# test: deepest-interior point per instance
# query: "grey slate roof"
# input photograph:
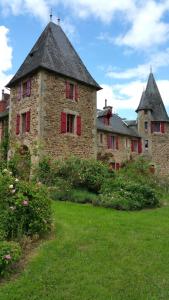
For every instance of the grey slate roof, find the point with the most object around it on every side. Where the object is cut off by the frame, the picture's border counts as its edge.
(54, 52)
(117, 125)
(151, 100)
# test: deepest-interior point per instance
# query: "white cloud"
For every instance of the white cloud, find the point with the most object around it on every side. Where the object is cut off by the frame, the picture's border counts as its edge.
(156, 61)
(5, 57)
(147, 26)
(127, 96)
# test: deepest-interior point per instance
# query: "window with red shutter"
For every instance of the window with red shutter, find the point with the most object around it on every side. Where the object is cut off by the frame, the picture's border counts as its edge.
(63, 122)
(79, 125)
(28, 121)
(110, 141)
(17, 124)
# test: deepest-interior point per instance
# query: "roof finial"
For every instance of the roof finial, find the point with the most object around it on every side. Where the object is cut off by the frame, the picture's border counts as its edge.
(150, 68)
(51, 15)
(58, 19)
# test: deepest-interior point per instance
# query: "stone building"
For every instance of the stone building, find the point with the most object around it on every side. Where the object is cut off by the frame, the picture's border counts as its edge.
(53, 100)
(53, 111)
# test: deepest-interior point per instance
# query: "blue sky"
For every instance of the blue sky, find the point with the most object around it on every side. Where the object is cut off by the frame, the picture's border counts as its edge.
(118, 40)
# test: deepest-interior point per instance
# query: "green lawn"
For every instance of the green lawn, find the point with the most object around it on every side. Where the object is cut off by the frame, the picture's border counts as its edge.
(98, 254)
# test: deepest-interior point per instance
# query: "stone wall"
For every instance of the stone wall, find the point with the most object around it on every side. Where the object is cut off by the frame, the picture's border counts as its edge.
(120, 155)
(53, 103)
(32, 103)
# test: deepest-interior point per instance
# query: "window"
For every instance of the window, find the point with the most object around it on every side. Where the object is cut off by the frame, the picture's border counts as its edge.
(146, 126)
(106, 120)
(70, 123)
(24, 89)
(24, 120)
(134, 146)
(71, 91)
(157, 127)
(146, 144)
(145, 112)
(112, 142)
(23, 116)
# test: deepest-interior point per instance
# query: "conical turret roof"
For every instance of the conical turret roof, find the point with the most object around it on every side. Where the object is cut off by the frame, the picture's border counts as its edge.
(54, 52)
(151, 100)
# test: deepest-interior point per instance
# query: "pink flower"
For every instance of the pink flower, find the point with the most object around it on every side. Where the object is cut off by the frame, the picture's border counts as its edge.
(25, 202)
(7, 257)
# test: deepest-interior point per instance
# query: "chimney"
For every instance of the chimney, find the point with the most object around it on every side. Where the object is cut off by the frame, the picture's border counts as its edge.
(3, 95)
(107, 107)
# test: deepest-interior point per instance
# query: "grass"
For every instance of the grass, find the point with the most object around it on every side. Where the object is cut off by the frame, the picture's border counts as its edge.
(98, 254)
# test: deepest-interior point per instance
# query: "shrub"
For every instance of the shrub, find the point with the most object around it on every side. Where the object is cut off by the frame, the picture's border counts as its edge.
(24, 208)
(129, 196)
(79, 173)
(10, 253)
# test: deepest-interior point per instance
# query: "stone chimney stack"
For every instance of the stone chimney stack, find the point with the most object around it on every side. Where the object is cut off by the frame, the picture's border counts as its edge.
(107, 107)
(3, 95)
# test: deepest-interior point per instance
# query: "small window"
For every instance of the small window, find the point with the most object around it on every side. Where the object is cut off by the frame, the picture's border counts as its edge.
(134, 145)
(145, 112)
(111, 142)
(146, 126)
(146, 144)
(24, 89)
(23, 116)
(155, 127)
(70, 123)
(71, 91)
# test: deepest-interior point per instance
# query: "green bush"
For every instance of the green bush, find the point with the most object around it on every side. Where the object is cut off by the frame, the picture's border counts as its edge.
(129, 196)
(24, 208)
(79, 173)
(10, 253)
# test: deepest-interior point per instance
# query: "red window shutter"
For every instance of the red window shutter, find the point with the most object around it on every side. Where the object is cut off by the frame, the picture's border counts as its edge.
(19, 91)
(78, 125)
(117, 166)
(132, 146)
(28, 88)
(17, 124)
(117, 143)
(152, 127)
(76, 92)
(28, 115)
(67, 90)
(162, 127)
(139, 146)
(63, 122)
